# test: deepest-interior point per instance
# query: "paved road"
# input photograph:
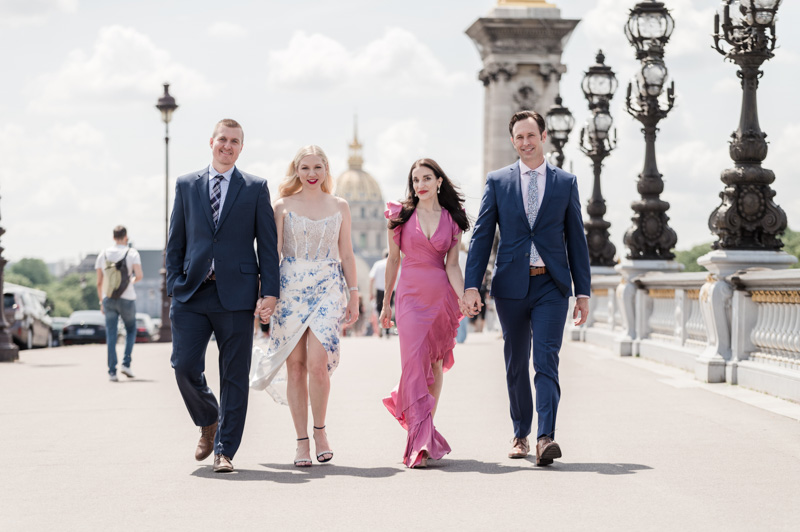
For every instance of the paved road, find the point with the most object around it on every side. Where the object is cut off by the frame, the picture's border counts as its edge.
(645, 448)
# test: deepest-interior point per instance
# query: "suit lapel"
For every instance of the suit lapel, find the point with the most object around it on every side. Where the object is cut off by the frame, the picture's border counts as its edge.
(201, 184)
(233, 190)
(549, 184)
(516, 187)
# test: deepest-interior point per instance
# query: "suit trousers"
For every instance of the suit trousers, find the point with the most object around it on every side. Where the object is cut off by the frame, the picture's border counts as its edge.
(538, 318)
(192, 325)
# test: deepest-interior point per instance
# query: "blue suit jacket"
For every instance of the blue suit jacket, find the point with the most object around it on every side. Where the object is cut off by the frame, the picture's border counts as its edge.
(557, 233)
(246, 217)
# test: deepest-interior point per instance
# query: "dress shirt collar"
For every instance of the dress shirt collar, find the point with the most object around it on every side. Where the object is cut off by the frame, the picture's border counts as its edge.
(541, 170)
(213, 173)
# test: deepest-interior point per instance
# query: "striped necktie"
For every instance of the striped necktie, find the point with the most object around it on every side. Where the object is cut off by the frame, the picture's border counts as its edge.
(216, 198)
(533, 208)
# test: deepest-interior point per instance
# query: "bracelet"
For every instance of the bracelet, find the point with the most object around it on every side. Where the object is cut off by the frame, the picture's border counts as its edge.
(353, 288)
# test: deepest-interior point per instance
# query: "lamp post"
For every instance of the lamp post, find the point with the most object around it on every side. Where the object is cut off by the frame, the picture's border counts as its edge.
(166, 104)
(599, 85)
(747, 218)
(559, 123)
(9, 352)
(648, 29)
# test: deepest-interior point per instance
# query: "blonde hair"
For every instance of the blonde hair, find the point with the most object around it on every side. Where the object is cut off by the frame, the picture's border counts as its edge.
(291, 183)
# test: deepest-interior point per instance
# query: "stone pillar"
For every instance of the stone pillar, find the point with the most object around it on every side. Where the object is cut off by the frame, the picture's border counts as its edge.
(520, 43)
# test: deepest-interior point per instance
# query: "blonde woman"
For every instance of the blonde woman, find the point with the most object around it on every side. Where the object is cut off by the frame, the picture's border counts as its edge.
(318, 269)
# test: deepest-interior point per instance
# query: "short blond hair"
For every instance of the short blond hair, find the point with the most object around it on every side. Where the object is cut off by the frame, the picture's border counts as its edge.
(291, 183)
(227, 122)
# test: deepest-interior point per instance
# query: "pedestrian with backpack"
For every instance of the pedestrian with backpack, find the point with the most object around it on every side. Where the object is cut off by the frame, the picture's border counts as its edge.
(118, 267)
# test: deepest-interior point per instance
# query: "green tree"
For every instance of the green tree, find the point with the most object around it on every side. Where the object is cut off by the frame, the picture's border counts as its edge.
(791, 241)
(11, 277)
(689, 257)
(34, 269)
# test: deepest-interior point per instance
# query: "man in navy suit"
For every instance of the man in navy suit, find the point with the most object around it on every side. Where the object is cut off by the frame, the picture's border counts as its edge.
(541, 254)
(217, 281)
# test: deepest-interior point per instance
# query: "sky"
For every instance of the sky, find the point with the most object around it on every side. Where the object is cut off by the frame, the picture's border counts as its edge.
(82, 143)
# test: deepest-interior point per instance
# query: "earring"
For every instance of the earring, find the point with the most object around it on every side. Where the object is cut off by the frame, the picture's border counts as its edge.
(439, 190)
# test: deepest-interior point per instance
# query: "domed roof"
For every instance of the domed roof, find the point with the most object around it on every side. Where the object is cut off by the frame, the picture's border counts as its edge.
(355, 184)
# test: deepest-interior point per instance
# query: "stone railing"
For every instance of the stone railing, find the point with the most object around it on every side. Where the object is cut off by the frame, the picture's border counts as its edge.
(742, 329)
(765, 330)
(605, 318)
(669, 319)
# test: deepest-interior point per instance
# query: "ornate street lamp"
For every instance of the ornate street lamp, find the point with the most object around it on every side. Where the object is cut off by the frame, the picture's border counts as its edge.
(8, 351)
(648, 30)
(166, 104)
(559, 122)
(747, 217)
(599, 85)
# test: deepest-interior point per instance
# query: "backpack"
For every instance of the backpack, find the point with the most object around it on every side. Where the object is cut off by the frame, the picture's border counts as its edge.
(116, 277)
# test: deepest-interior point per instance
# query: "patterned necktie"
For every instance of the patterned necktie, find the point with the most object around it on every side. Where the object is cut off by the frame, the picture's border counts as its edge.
(216, 198)
(533, 208)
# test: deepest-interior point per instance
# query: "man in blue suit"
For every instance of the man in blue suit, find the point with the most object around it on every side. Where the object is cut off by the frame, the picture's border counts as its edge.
(541, 254)
(217, 280)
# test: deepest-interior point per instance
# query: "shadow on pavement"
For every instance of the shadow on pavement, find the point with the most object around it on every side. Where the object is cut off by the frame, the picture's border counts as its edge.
(289, 474)
(599, 468)
(490, 468)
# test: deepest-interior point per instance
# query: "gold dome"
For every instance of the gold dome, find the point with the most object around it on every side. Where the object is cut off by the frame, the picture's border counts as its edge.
(355, 184)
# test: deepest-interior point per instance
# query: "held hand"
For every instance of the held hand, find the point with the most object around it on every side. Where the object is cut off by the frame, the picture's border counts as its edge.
(265, 308)
(351, 314)
(472, 301)
(464, 309)
(582, 309)
(386, 318)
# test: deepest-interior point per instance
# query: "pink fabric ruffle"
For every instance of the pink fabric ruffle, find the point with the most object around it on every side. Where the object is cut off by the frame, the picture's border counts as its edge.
(393, 211)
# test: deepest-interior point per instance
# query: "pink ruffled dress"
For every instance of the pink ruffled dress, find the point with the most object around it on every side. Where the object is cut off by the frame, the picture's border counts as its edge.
(427, 317)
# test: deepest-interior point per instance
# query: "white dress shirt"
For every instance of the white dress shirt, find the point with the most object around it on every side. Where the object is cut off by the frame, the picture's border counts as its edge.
(525, 181)
(223, 185)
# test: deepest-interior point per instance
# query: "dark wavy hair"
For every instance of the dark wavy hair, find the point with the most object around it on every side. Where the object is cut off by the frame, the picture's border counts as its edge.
(450, 197)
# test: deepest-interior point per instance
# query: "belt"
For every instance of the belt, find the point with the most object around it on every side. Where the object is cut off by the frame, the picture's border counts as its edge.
(538, 271)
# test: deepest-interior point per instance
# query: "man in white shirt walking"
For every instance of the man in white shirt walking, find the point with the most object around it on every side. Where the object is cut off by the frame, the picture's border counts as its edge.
(377, 287)
(118, 298)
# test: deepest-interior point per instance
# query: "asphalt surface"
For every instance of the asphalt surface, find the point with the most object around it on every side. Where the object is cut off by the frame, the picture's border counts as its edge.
(645, 448)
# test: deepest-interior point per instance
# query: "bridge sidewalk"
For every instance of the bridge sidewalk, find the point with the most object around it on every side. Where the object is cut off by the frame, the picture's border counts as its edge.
(645, 448)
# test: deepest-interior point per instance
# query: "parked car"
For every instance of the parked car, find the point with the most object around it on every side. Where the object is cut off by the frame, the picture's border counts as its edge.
(146, 330)
(85, 327)
(58, 329)
(27, 316)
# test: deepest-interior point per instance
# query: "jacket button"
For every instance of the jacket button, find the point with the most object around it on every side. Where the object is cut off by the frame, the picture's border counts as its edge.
(527, 254)
(209, 260)
(215, 240)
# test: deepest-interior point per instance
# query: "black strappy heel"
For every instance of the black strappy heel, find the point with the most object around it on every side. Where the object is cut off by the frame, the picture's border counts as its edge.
(303, 462)
(323, 453)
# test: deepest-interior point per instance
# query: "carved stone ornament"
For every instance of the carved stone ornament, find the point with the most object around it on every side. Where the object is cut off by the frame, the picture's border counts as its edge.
(525, 97)
(497, 71)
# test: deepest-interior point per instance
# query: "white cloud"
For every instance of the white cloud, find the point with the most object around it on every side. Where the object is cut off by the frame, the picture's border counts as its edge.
(394, 149)
(224, 29)
(122, 67)
(23, 12)
(398, 63)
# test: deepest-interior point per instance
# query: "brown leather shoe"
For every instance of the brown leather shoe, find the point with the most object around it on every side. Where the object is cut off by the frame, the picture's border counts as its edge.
(206, 443)
(222, 464)
(546, 451)
(520, 448)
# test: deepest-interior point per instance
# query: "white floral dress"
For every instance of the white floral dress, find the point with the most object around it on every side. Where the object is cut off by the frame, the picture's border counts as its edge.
(312, 296)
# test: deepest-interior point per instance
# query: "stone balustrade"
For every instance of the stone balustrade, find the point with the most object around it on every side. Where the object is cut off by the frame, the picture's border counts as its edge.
(743, 329)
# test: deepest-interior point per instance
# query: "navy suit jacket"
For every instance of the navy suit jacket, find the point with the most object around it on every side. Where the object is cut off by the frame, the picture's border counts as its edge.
(557, 233)
(193, 241)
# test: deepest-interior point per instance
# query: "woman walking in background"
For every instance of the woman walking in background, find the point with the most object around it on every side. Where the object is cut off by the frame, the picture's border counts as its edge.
(427, 229)
(317, 258)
